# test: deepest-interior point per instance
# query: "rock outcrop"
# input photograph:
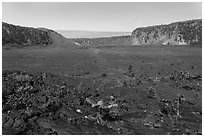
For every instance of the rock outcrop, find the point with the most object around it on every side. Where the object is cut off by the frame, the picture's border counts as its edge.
(19, 36)
(178, 33)
(24, 36)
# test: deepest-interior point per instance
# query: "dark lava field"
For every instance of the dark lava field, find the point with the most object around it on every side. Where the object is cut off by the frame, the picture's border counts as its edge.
(102, 91)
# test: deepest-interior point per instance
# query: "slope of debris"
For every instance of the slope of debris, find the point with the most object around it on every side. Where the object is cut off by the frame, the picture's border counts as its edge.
(43, 103)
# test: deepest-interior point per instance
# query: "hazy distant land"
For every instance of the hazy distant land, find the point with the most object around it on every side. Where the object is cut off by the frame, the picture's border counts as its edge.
(90, 34)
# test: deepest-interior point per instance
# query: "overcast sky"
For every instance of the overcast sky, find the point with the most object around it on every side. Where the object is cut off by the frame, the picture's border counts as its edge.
(98, 16)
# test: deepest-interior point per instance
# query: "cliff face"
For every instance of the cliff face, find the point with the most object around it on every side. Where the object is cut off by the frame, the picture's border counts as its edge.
(24, 36)
(13, 35)
(178, 33)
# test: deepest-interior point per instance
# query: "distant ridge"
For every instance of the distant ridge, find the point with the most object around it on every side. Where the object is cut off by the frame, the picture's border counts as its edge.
(90, 34)
(178, 33)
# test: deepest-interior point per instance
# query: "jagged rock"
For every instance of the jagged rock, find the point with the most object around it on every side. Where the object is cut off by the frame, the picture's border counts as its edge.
(178, 33)
(55, 110)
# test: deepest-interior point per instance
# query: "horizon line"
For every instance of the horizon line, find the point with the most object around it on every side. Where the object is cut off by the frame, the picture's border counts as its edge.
(102, 30)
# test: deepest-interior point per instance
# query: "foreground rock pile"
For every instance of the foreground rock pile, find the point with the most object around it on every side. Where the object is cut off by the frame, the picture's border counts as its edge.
(44, 103)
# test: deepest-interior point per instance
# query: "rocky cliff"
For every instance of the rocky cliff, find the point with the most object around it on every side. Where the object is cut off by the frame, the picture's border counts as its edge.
(178, 33)
(24, 36)
(19, 36)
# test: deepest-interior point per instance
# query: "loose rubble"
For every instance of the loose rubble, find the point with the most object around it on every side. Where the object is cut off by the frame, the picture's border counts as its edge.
(44, 103)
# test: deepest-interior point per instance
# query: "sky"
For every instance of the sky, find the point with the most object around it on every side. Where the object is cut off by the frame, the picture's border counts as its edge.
(107, 16)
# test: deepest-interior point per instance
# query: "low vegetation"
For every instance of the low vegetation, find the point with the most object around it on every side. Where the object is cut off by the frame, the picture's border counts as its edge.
(24, 36)
(178, 33)
(80, 92)
(115, 89)
(106, 41)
